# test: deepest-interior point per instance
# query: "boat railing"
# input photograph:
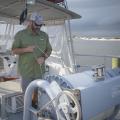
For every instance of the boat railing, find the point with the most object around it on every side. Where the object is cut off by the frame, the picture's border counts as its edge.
(93, 56)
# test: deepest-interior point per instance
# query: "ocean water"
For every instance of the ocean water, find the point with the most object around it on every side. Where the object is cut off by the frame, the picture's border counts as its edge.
(95, 52)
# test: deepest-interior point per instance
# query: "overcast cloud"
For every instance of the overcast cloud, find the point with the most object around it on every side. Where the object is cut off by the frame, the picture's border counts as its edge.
(99, 17)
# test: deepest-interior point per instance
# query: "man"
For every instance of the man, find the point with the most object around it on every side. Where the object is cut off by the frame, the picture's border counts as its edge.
(33, 47)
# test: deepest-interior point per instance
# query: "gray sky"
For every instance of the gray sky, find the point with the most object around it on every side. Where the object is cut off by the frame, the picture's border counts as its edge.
(99, 17)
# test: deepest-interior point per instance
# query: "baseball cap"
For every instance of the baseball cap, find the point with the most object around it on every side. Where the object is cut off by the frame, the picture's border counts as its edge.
(38, 19)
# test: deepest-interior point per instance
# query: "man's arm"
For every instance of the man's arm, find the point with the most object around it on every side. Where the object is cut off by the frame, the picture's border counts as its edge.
(17, 46)
(23, 50)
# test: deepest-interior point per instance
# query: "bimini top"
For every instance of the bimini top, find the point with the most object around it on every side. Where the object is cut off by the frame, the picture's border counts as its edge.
(51, 12)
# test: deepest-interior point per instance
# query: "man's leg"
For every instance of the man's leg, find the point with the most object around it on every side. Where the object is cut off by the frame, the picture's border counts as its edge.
(24, 83)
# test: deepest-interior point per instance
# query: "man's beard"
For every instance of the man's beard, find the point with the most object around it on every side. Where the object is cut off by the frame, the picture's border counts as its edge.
(35, 30)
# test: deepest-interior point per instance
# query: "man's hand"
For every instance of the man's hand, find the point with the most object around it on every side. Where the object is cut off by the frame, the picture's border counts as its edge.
(29, 48)
(40, 60)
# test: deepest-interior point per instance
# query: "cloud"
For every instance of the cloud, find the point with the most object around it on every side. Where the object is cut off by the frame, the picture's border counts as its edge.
(92, 3)
(99, 17)
(94, 30)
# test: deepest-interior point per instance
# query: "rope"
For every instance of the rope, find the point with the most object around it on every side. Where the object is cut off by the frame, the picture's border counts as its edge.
(41, 72)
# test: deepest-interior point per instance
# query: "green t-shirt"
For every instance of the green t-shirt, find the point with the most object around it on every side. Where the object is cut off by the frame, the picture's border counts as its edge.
(27, 64)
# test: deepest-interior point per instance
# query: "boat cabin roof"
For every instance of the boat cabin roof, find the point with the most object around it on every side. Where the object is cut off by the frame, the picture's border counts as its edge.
(50, 11)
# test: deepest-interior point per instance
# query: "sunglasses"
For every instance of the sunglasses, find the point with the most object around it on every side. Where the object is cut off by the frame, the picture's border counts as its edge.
(38, 25)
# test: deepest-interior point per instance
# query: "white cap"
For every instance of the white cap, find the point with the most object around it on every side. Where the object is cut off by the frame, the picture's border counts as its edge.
(37, 18)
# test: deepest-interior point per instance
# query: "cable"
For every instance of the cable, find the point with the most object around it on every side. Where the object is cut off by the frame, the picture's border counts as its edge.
(23, 15)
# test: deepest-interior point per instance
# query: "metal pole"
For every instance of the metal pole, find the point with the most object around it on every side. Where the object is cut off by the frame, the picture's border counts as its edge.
(28, 96)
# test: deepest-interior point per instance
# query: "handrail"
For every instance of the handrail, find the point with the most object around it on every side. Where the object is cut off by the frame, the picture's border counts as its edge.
(93, 55)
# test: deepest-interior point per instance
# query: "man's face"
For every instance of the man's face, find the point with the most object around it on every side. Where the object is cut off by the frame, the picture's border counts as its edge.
(35, 27)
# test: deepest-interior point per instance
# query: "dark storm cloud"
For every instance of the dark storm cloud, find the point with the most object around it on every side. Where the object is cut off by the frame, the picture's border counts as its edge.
(99, 17)
(92, 3)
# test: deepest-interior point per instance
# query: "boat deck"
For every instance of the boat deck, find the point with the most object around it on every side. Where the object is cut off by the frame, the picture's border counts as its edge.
(11, 88)
(15, 116)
